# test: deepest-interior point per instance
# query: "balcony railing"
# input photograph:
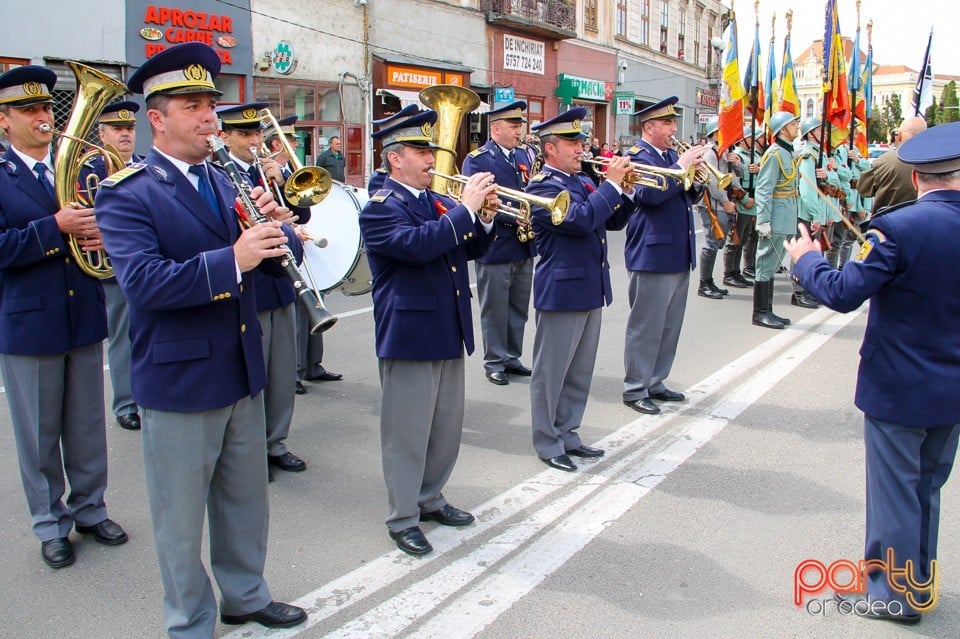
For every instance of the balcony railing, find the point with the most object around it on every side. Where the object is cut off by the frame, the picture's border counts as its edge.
(547, 18)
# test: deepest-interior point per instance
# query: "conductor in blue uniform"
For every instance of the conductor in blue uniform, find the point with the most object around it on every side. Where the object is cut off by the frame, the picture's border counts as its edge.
(571, 286)
(505, 273)
(418, 243)
(186, 266)
(52, 326)
(909, 361)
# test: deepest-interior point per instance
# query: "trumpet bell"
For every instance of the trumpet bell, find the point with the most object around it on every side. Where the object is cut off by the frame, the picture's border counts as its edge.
(307, 186)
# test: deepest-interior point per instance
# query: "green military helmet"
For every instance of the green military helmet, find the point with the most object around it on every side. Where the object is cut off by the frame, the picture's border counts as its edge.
(809, 125)
(712, 125)
(779, 120)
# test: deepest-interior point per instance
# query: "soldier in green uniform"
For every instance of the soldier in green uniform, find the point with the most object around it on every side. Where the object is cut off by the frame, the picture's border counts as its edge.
(812, 211)
(776, 196)
(745, 219)
(841, 240)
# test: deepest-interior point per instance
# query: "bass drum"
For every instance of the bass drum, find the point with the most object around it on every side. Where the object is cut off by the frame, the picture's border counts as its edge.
(341, 263)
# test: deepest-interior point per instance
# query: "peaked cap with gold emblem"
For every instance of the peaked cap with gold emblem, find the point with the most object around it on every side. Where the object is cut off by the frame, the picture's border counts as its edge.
(120, 113)
(26, 85)
(415, 128)
(513, 112)
(190, 67)
(565, 125)
(242, 116)
(661, 110)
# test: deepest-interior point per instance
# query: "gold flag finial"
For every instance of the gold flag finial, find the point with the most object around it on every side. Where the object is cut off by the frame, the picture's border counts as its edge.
(789, 20)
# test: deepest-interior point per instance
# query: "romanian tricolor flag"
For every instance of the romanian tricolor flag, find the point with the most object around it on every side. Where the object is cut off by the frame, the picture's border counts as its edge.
(864, 104)
(731, 92)
(787, 92)
(751, 79)
(836, 95)
(771, 81)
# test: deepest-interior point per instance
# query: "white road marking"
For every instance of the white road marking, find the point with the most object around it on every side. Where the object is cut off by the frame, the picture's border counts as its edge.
(351, 588)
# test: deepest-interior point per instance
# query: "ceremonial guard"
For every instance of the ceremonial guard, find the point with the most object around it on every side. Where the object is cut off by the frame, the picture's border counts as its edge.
(715, 214)
(841, 239)
(812, 208)
(660, 253)
(745, 221)
(117, 127)
(505, 273)
(52, 325)
(571, 285)
(241, 131)
(909, 370)
(776, 195)
(418, 243)
(185, 267)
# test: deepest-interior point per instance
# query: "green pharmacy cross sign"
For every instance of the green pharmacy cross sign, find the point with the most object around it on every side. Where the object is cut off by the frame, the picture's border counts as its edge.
(566, 90)
(284, 57)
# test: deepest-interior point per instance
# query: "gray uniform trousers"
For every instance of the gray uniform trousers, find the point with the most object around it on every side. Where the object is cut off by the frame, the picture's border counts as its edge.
(504, 292)
(657, 305)
(797, 289)
(279, 341)
(213, 461)
(118, 348)
(564, 354)
(421, 420)
(711, 245)
(906, 468)
(841, 245)
(56, 403)
(309, 347)
(770, 255)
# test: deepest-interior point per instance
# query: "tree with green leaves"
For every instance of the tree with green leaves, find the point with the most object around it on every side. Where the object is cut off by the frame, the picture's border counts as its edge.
(932, 114)
(949, 104)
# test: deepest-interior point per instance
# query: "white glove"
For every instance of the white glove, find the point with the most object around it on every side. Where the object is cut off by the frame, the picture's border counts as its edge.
(764, 229)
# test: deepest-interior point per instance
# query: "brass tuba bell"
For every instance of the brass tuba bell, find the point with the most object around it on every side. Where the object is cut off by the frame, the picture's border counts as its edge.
(451, 103)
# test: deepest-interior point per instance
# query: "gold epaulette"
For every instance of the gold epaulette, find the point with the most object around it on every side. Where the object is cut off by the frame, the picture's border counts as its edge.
(540, 177)
(381, 195)
(478, 151)
(123, 174)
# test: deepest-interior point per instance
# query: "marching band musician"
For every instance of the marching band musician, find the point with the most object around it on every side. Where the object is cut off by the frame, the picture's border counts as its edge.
(745, 219)
(660, 252)
(309, 347)
(381, 173)
(812, 209)
(723, 209)
(505, 273)
(117, 127)
(418, 243)
(571, 286)
(52, 325)
(276, 298)
(185, 265)
(776, 194)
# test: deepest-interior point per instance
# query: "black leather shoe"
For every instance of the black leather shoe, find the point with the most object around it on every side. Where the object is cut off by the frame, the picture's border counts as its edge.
(448, 516)
(560, 462)
(57, 553)
(803, 301)
(107, 532)
(730, 280)
(643, 405)
(667, 395)
(299, 389)
(288, 462)
(411, 541)
(586, 451)
(749, 273)
(130, 421)
(717, 289)
(518, 369)
(871, 609)
(740, 278)
(325, 376)
(705, 291)
(275, 615)
(498, 378)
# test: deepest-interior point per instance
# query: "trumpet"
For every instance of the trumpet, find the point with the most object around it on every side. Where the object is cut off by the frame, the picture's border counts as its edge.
(651, 176)
(557, 206)
(320, 318)
(308, 185)
(723, 179)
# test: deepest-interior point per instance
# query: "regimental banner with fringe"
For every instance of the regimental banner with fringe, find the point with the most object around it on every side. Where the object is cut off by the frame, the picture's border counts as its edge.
(731, 92)
(836, 93)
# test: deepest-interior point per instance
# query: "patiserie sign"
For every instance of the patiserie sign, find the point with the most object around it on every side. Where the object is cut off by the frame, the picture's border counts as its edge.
(166, 26)
(521, 54)
(420, 78)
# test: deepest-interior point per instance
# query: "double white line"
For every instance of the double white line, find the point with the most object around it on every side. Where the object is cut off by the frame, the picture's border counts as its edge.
(639, 456)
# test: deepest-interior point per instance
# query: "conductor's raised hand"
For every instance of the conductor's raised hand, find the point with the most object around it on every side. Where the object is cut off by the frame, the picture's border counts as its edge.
(257, 243)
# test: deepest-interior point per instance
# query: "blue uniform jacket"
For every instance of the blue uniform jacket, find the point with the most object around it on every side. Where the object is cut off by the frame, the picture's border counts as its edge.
(47, 304)
(377, 178)
(193, 326)
(910, 358)
(277, 292)
(421, 288)
(506, 246)
(661, 238)
(573, 272)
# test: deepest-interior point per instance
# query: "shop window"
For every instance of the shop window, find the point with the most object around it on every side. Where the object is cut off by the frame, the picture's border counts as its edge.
(622, 18)
(232, 87)
(354, 146)
(590, 15)
(300, 99)
(270, 93)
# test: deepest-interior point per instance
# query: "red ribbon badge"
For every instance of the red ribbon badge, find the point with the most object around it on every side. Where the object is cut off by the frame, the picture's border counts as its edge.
(441, 209)
(524, 171)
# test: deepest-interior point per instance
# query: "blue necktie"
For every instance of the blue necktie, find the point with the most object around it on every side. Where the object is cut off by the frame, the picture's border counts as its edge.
(41, 170)
(425, 201)
(206, 189)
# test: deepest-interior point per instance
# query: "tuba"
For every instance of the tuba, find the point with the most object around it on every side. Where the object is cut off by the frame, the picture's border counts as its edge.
(95, 91)
(451, 103)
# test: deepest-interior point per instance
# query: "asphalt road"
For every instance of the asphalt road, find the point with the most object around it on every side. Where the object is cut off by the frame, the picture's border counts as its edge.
(692, 525)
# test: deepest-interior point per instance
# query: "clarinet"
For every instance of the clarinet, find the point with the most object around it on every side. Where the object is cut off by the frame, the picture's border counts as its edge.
(319, 317)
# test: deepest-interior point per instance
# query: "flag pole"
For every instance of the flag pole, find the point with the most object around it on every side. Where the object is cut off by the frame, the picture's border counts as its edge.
(753, 100)
(856, 83)
(824, 129)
